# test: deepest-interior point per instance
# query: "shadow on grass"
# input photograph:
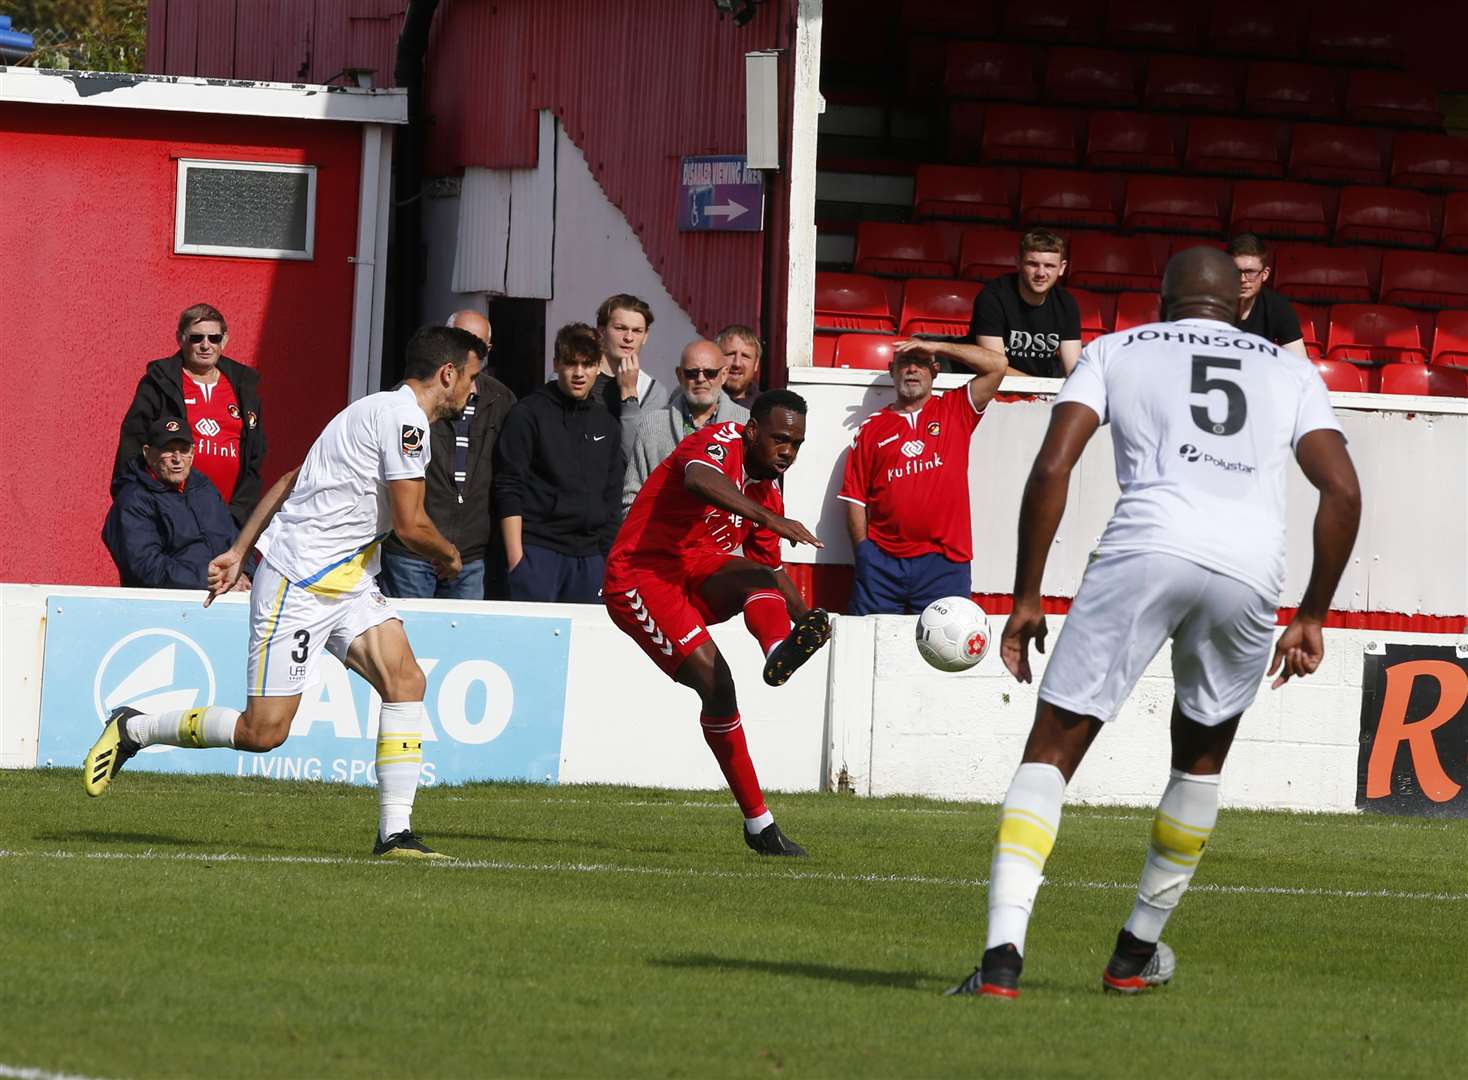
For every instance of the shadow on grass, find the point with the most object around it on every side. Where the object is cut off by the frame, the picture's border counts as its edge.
(578, 842)
(925, 981)
(102, 836)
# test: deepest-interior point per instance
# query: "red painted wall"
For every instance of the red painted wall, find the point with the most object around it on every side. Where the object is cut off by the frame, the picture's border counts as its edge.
(90, 291)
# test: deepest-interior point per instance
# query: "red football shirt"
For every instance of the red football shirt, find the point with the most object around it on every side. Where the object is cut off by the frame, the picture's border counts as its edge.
(214, 414)
(670, 530)
(910, 471)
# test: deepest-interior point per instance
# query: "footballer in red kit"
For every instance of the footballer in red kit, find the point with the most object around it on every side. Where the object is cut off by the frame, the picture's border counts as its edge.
(700, 544)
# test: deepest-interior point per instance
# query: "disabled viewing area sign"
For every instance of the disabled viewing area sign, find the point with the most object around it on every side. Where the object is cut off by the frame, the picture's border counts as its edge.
(720, 193)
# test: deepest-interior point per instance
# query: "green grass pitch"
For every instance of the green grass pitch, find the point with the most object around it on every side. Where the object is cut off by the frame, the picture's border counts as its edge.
(218, 927)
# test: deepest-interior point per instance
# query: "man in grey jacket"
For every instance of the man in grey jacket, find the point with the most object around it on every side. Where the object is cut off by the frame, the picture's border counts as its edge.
(698, 401)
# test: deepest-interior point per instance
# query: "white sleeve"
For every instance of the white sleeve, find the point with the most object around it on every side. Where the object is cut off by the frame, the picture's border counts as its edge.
(1086, 384)
(402, 443)
(1313, 411)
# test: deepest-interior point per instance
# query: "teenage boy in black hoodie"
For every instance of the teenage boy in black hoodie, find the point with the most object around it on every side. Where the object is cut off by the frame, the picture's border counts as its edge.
(558, 480)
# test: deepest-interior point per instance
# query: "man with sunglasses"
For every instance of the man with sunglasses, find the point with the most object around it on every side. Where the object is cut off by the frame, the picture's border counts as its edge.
(216, 396)
(699, 399)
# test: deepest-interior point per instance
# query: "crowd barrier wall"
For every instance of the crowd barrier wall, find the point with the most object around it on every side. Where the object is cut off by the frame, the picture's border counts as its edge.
(557, 693)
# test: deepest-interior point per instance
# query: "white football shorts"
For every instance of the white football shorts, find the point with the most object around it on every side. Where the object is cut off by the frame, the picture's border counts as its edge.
(1128, 604)
(289, 626)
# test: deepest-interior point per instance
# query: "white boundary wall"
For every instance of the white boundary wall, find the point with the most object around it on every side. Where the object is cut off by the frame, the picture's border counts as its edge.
(866, 714)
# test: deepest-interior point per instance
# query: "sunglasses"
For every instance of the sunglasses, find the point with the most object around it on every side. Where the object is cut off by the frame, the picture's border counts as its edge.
(214, 339)
(709, 373)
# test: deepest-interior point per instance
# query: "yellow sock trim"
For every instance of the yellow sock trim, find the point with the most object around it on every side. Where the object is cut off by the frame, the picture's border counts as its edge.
(1026, 835)
(1177, 841)
(394, 748)
(191, 729)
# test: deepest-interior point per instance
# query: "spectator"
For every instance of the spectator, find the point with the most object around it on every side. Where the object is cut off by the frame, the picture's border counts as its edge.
(216, 397)
(1263, 311)
(702, 374)
(906, 485)
(558, 480)
(1029, 316)
(740, 345)
(623, 323)
(167, 520)
(458, 489)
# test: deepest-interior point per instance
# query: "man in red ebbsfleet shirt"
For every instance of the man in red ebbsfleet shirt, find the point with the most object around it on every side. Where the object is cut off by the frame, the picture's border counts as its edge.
(906, 483)
(676, 567)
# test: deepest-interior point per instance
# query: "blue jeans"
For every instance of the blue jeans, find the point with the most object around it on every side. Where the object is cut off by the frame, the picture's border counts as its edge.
(408, 576)
(544, 576)
(886, 585)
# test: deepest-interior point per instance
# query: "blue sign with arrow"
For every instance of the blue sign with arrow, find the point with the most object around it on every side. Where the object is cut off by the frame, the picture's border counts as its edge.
(720, 193)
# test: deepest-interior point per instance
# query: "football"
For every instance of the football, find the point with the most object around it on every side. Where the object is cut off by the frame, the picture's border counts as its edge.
(953, 633)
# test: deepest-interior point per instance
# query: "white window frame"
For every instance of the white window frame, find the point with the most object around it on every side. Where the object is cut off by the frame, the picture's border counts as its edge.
(181, 209)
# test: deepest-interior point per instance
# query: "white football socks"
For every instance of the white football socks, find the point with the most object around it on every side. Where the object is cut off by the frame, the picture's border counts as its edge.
(399, 761)
(196, 729)
(756, 825)
(1028, 822)
(1184, 820)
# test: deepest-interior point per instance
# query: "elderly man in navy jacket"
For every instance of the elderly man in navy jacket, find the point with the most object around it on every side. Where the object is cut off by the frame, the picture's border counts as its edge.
(167, 521)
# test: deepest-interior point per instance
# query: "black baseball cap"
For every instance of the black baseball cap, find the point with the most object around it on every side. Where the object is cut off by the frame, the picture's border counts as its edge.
(169, 429)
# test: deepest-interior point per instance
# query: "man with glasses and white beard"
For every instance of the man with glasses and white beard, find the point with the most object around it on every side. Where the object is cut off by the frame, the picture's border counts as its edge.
(216, 397)
(699, 400)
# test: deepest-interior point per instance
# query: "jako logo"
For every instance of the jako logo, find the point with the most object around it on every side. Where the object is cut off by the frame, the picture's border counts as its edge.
(154, 670)
(1189, 452)
(914, 447)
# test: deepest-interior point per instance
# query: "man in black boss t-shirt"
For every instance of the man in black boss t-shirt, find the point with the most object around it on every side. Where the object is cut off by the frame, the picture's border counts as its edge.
(1263, 311)
(1027, 316)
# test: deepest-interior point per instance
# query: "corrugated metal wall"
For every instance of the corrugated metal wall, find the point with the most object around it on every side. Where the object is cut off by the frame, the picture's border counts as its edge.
(636, 84)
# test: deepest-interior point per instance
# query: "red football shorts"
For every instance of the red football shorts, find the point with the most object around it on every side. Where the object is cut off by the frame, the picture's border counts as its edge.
(661, 609)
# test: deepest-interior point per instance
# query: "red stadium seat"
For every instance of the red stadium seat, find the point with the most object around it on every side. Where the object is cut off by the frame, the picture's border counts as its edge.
(1255, 28)
(852, 302)
(1234, 147)
(1332, 275)
(989, 71)
(1314, 328)
(1374, 334)
(1455, 222)
(823, 350)
(1279, 208)
(1137, 309)
(937, 307)
(1383, 215)
(1182, 243)
(1194, 83)
(1019, 133)
(1131, 140)
(1450, 341)
(864, 351)
(1051, 21)
(1097, 313)
(1337, 155)
(1173, 204)
(1090, 77)
(1299, 91)
(1341, 376)
(988, 253)
(1394, 98)
(965, 128)
(900, 250)
(1151, 24)
(1424, 279)
(1430, 162)
(960, 191)
(1058, 197)
(1112, 263)
(1351, 34)
(1424, 381)
(967, 20)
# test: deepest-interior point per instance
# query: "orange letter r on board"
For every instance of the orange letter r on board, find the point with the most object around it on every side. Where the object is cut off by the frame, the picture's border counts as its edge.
(1392, 728)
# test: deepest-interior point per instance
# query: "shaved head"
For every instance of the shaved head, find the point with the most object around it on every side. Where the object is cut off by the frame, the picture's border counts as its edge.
(473, 322)
(1201, 283)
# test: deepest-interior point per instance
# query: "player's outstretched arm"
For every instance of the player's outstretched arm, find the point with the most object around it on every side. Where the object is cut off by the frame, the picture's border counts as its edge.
(225, 568)
(1326, 464)
(1043, 505)
(416, 529)
(709, 483)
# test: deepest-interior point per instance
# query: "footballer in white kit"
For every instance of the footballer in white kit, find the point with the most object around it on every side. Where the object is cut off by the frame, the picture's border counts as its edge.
(1205, 420)
(318, 532)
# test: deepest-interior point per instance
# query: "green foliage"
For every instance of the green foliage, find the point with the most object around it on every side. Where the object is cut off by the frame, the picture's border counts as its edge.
(83, 35)
(211, 926)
